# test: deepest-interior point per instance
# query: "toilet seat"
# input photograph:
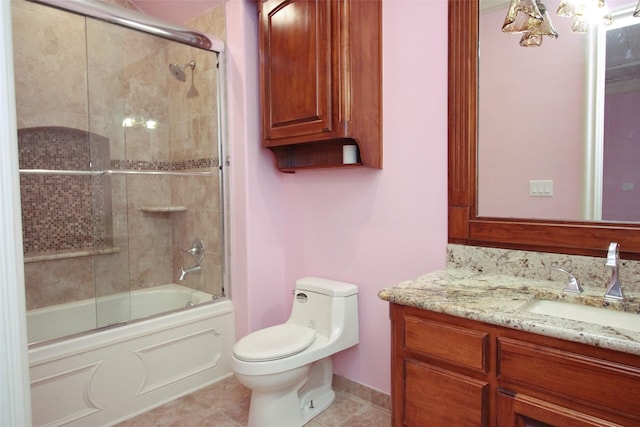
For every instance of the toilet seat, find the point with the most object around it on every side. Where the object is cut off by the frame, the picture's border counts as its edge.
(275, 342)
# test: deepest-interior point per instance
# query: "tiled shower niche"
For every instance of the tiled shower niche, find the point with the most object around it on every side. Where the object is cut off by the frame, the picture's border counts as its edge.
(64, 206)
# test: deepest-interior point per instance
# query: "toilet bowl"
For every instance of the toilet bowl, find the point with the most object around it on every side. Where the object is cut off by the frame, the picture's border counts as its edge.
(288, 367)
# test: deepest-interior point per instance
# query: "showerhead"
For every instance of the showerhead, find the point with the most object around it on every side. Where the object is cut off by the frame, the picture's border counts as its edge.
(178, 71)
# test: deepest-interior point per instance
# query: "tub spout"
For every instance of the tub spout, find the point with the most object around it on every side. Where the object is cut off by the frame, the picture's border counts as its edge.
(185, 271)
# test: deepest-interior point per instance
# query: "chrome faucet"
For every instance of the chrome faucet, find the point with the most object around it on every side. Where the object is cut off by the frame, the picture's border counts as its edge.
(614, 289)
(185, 271)
(197, 251)
(572, 286)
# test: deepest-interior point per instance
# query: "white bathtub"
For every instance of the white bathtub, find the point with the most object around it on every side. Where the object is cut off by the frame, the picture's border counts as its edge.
(67, 319)
(109, 375)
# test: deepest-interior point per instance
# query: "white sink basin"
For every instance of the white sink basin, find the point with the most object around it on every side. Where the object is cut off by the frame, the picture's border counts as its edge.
(584, 313)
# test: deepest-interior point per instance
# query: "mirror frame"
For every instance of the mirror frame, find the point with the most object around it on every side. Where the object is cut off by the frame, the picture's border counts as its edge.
(465, 227)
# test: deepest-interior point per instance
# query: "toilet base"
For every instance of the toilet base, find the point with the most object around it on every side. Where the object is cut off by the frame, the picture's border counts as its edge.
(297, 405)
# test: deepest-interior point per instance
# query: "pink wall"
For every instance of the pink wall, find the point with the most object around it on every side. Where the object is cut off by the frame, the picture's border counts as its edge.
(370, 227)
(531, 120)
(378, 227)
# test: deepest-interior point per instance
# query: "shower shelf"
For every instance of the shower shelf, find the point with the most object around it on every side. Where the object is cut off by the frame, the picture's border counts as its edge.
(163, 209)
(70, 253)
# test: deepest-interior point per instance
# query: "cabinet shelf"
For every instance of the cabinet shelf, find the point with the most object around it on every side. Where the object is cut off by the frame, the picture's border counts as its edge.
(315, 155)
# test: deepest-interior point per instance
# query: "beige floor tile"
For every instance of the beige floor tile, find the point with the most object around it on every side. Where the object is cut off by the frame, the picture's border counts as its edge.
(226, 404)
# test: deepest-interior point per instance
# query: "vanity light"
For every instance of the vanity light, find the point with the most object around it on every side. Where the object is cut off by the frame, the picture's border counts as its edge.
(521, 16)
(585, 13)
(534, 36)
(530, 18)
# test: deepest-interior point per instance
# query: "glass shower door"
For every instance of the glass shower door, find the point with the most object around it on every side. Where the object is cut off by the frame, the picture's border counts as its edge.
(120, 173)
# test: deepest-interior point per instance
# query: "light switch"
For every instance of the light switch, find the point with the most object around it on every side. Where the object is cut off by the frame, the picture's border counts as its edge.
(627, 186)
(541, 187)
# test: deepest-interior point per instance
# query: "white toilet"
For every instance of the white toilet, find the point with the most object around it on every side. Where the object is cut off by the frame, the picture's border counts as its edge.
(288, 367)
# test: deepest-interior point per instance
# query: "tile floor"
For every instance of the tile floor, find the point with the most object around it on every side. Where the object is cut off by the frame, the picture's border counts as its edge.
(226, 404)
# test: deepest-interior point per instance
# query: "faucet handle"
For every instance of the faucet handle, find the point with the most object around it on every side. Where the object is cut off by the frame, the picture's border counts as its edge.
(613, 255)
(196, 250)
(572, 286)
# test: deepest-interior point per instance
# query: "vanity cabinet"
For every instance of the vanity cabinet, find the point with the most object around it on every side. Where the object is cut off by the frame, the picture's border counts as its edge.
(321, 81)
(450, 371)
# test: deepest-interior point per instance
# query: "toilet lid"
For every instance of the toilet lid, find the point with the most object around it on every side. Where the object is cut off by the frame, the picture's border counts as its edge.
(276, 342)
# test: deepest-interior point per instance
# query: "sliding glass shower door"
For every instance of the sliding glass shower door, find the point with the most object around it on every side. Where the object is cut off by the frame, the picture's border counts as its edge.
(120, 171)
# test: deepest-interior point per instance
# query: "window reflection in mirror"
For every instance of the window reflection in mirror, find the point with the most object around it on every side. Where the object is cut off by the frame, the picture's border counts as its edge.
(621, 132)
(537, 126)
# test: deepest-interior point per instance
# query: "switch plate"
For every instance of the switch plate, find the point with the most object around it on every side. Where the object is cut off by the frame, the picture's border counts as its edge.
(541, 188)
(627, 186)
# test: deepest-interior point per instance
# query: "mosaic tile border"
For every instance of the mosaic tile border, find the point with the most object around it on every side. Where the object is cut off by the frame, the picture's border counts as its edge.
(168, 166)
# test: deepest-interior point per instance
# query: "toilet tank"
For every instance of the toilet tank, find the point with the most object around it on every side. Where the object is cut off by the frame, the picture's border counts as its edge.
(329, 306)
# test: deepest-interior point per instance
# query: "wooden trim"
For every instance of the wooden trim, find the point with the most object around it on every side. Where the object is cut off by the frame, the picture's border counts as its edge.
(465, 227)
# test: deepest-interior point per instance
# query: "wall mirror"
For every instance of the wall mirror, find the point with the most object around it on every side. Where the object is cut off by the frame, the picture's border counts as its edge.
(576, 230)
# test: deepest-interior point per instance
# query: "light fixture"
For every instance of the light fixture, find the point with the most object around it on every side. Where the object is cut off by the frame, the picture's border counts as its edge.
(530, 18)
(534, 36)
(139, 122)
(585, 13)
(521, 16)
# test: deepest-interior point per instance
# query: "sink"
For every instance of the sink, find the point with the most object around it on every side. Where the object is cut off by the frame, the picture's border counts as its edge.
(584, 313)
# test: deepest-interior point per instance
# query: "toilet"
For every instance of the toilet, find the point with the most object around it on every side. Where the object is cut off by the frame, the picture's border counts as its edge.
(288, 367)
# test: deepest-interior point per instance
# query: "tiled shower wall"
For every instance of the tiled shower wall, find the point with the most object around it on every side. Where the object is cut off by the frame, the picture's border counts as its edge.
(131, 80)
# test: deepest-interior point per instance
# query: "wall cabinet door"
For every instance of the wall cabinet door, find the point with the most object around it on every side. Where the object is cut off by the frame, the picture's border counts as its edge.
(321, 81)
(296, 48)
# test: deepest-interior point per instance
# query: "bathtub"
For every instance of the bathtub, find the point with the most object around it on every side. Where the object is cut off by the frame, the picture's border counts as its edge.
(111, 374)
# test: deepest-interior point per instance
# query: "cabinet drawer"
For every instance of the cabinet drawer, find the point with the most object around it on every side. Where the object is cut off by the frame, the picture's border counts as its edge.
(460, 346)
(611, 385)
(438, 397)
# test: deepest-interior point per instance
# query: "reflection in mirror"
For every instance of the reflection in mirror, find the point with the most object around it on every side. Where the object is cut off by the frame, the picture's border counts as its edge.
(548, 149)
(621, 133)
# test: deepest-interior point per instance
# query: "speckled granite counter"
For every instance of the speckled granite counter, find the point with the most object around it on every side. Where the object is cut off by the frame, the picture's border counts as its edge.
(496, 299)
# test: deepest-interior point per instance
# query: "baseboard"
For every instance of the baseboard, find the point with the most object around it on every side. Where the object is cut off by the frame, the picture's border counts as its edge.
(362, 391)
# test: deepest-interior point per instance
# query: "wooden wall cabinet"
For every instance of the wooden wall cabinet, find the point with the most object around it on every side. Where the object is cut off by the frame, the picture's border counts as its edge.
(321, 81)
(449, 371)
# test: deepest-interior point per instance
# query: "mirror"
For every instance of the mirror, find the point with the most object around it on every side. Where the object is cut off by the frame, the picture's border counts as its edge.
(547, 146)
(569, 236)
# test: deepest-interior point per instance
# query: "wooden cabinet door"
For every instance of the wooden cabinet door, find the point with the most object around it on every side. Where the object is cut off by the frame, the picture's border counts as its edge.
(435, 397)
(517, 410)
(295, 69)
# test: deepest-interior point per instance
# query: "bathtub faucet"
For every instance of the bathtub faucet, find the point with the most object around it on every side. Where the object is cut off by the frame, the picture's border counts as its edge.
(185, 271)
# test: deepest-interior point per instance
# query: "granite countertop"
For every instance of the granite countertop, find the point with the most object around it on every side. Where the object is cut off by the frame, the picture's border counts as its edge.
(496, 299)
